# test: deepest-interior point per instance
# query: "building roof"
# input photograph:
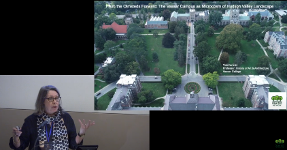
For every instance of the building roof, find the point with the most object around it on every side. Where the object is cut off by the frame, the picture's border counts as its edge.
(156, 18)
(281, 12)
(174, 14)
(225, 18)
(120, 29)
(263, 13)
(144, 108)
(115, 102)
(182, 15)
(258, 79)
(127, 80)
(244, 18)
(156, 22)
(108, 61)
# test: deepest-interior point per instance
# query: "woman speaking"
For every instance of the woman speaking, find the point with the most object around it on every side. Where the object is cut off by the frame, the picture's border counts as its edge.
(49, 124)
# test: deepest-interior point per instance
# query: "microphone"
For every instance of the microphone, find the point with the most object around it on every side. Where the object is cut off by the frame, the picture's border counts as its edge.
(44, 123)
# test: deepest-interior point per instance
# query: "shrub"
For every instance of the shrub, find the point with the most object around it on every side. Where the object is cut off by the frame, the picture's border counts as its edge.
(111, 94)
(149, 30)
(121, 46)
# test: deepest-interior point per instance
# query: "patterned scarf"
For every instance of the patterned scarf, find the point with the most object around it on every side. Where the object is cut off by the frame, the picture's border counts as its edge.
(59, 134)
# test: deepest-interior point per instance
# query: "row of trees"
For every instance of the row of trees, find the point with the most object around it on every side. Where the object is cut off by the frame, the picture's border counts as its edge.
(102, 35)
(180, 49)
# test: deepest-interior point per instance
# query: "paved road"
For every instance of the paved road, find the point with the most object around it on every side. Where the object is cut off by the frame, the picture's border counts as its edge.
(191, 43)
(106, 89)
(150, 78)
(232, 78)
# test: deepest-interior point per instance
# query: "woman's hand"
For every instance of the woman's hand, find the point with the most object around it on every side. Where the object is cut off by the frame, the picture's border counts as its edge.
(16, 132)
(85, 126)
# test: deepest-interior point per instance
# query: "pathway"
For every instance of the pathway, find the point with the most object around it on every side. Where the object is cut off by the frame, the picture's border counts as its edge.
(106, 89)
(100, 80)
(137, 104)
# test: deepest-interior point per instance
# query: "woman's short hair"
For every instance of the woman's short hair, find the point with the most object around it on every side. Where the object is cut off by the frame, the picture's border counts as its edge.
(40, 107)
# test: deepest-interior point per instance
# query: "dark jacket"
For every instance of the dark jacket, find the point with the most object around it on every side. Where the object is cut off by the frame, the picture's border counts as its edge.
(30, 132)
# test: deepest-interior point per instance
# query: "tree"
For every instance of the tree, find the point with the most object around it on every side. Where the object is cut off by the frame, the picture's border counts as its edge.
(210, 31)
(271, 22)
(121, 60)
(210, 64)
(282, 67)
(171, 79)
(215, 17)
(142, 100)
(200, 28)
(143, 63)
(171, 26)
(230, 38)
(199, 22)
(95, 103)
(156, 71)
(133, 28)
(135, 47)
(176, 32)
(155, 56)
(200, 37)
(240, 57)
(111, 73)
(111, 94)
(224, 58)
(211, 79)
(201, 50)
(258, 18)
(108, 34)
(166, 14)
(284, 19)
(99, 41)
(179, 46)
(100, 58)
(263, 61)
(113, 16)
(240, 103)
(181, 11)
(168, 40)
(132, 68)
(155, 33)
(109, 48)
(263, 23)
(183, 25)
(254, 32)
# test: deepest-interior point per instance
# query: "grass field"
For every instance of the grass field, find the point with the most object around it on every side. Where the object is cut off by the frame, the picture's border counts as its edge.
(96, 67)
(263, 43)
(157, 88)
(104, 101)
(211, 42)
(274, 62)
(273, 88)
(99, 85)
(165, 55)
(231, 92)
(157, 103)
(160, 31)
(282, 77)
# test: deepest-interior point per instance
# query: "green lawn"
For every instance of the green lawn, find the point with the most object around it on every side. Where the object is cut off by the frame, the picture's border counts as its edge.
(273, 88)
(99, 85)
(263, 43)
(157, 103)
(118, 42)
(273, 76)
(211, 42)
(274, 62)
(165, 55)
(160, 31)
(96, 67)
(157, 88)
(282, 77)
(104, 101)
(231, 92)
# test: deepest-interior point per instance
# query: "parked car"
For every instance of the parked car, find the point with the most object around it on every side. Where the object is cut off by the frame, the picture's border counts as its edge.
(155, 77)
(99, 94)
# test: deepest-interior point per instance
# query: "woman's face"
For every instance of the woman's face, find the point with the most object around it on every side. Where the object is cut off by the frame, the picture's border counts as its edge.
(51, 103)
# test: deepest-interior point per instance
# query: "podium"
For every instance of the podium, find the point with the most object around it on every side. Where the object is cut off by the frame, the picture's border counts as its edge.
(48, 146)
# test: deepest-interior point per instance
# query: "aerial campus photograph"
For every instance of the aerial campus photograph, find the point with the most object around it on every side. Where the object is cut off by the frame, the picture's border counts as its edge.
(190, 55)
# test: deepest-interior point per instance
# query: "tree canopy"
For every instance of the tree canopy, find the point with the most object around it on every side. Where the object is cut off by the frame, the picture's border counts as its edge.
(201, 50)
(282, 67)
(171, 26)
(263, 61)
(211, 79)
(210, 64)
(168, 40)
(111, 73)
(224, 58)
(171, 79)
(132, 68)
(215, 17)
(230, 38)
(254, 32)
(240, 57)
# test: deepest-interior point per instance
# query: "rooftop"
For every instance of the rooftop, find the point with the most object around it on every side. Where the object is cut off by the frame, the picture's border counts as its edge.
(281, 12)
(156, 19)
(118, 28)
(127, 80)
(258, 79)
